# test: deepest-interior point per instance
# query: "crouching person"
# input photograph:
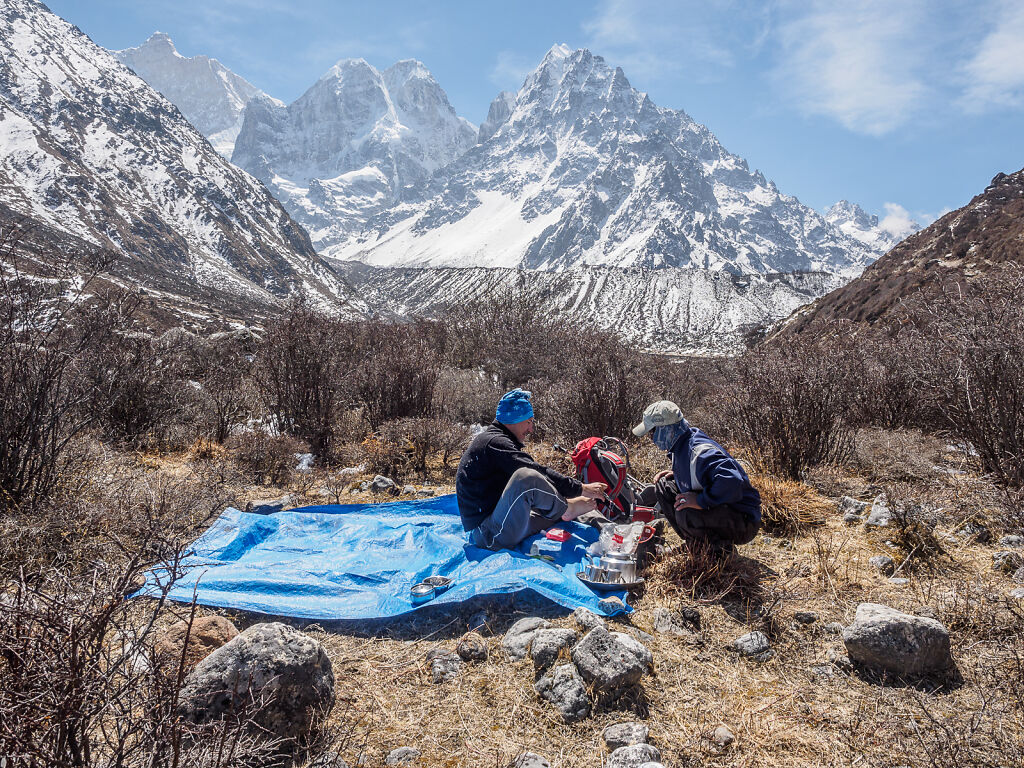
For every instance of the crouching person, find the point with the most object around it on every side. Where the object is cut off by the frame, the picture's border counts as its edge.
(504, 495)
(706, 496)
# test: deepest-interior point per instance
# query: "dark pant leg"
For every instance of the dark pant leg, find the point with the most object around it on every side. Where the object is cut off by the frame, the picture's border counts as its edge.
(719, 525)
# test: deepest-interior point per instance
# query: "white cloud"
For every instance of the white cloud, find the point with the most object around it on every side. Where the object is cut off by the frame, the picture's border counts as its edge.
(898, 221)
(510, 70)
(995, 74)
(859, 63)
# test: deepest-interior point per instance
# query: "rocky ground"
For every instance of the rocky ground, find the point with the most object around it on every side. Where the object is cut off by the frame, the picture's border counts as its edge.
(861, 633)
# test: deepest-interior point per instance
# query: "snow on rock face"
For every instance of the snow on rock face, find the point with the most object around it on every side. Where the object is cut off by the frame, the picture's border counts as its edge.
(342, 152)
(579, 168)
(210, 95)
(88, 148)
(855, 222)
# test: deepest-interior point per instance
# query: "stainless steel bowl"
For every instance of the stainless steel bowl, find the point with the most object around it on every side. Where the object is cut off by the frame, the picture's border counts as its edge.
(439, 583)
(421, 593)
(596, 574)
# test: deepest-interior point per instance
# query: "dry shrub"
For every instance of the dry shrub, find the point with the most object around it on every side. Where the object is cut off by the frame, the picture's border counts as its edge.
(385, 456)
(793, 404)
(897, 455)
(699, 571)
(914, 517)
(266, 459)
(788, 507)
(466, 396)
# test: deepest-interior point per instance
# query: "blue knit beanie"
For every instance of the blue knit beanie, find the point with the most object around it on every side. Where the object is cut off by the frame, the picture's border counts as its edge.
(514, 407)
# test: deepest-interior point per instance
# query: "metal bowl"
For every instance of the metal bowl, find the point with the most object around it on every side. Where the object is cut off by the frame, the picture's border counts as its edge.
(421, 593)
(439, 583)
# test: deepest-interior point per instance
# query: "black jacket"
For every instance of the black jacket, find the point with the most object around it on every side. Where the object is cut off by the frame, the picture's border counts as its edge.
(485, 469)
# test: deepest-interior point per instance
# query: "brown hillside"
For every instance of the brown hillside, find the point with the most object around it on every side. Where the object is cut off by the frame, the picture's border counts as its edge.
(966, 244)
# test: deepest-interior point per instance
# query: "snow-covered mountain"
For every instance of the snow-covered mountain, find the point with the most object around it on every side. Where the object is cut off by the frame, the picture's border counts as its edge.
(89, 149)
(664, 310)
(209, 94)
(583, 169)
(343, 151)
(857, 223)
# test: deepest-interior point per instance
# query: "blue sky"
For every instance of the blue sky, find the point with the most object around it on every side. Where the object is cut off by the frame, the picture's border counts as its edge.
(903, 106)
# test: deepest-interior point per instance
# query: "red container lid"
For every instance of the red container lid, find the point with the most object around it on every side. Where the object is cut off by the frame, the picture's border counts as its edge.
(557, 534)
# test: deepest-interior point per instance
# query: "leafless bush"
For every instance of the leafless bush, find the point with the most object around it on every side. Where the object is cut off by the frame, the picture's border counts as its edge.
(793, 404)
(304, 369)
(219, 372)
(266, 458)
(604, 388)
(423, 438)
(466, 396)
(386, 455)
(973, 366)
(51, 313)
(914, 517)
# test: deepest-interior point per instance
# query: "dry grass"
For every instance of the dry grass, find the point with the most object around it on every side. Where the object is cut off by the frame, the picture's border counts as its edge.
(799, 708)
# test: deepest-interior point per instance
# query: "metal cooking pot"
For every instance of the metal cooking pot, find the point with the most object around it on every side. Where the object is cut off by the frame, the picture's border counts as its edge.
(620, 567)
(596, 573)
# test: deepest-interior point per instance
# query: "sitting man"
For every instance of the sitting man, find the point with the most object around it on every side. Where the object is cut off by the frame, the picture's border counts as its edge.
(706, 496)
(503, 494)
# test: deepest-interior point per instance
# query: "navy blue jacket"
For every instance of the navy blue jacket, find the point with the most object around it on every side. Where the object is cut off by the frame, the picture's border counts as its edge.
(485, 468)
(723, 480)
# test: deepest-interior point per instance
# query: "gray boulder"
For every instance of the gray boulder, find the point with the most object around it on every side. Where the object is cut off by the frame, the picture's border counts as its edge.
(564, 689)
(548, 644)
(880, 514)
(586, 619)
(852, 518)
(884, 639)
(606, 663)
(883, 564)
(1017, 542)
(1018, 576)
(624, 735)
(723, 737)
(849, 505)
(529, 760)
(634, 756)
(639, 650)
(381, 484)
(402, 756)
(286, 672)
(519, 636)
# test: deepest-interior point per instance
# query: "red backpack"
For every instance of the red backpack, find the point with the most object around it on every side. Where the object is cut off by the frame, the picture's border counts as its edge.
(595, 462)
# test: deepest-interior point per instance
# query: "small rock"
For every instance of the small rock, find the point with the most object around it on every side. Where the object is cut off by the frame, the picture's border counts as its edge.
(880, 514)
(883, 638)
(402, 756)
(639, 650)
(751, 644)
(834, 628)
(851, 506)
(207, 634)
(364, 486)
(351, 473)
(852, 518)
(899, 581)
(472, 647)
(409, 490)
(1007, 561)
(1014, 541)
(529, 760)
(381, 484)
(304, 462)
(642, 636)
(823, 670)
(723, 737)
(691, 616)
(665, 623)
(883, 564)
(624, 735)
(927, 611)
(608, 665)
(564, 689)
(426, 492)
(805, 617)
(976, 531)
(445, 666)
(548, 645)
(611, 605)
(634, 756)
(1017, 594)
(586, 619)
(268, 506)
(519, 636)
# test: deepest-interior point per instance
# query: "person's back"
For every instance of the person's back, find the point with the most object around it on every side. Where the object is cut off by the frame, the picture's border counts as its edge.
(479, 479)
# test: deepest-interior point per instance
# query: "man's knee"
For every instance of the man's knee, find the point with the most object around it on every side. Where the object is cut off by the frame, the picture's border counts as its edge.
(526, 476)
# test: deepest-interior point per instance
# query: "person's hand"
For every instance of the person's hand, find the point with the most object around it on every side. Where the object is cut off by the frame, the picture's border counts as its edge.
(594, 490)
(687, 500)
(578, 506)
(663, 473)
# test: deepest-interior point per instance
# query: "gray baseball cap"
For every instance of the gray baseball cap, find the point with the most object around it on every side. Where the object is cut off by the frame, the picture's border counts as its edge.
(659, 414)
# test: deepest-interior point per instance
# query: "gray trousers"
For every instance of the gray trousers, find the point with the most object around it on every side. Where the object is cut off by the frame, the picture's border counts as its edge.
(528, 505)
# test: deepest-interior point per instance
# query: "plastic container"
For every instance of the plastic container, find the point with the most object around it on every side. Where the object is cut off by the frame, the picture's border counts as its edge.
(557, 534)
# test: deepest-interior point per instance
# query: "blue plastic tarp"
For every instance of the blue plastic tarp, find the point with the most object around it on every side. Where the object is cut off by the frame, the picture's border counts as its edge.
(358, 561)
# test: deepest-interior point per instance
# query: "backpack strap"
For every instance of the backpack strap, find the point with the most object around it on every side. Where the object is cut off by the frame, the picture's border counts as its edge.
(698, 450)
